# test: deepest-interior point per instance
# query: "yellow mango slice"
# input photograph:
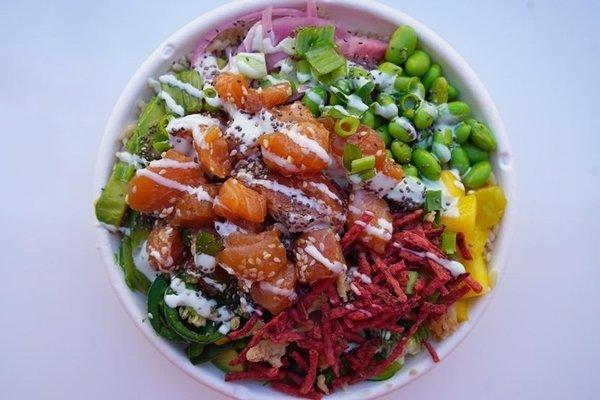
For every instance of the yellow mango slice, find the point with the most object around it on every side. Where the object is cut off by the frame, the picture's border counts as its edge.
(467, 210)
(491, 203)
(451, 181)
(477, 267)
(462, 310)
(476, 239)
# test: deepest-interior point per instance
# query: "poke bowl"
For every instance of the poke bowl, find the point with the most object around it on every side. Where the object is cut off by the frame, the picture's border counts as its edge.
(309, 199)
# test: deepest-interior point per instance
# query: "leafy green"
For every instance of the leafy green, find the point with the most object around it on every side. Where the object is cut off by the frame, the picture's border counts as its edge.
(207, 243)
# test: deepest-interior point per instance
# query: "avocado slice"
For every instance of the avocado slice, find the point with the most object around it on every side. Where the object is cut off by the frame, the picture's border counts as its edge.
(224, 358)
(111, 206)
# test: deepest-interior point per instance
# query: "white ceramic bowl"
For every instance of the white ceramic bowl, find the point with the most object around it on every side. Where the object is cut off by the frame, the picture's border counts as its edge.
(365, 15)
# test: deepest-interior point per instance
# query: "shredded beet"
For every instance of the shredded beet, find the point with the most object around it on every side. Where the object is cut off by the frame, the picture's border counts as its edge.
(461, 243)
(431, 350)
(343, 339)
(354, 232)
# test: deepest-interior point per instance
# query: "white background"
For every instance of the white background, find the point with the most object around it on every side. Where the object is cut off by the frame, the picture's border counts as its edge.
(63, 333)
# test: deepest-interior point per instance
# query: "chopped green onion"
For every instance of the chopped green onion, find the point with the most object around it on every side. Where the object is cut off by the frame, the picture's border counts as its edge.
(362, 164)
(346, 126)
(207, 243)
(412, 279)
(310, 37)
(303, 72)
(365, 90)
(449, 242)
(252, 65)
(351, 152)
(433, 200)
(368, 174)
(324, 59)
(336, 111)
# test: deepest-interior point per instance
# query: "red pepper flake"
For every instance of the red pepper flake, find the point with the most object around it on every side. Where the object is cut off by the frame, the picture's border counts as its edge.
(355, 230)
(461, 243)
(431, 351)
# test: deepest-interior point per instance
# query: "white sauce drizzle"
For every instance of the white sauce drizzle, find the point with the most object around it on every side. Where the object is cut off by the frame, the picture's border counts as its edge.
(205, 262)
(199, 192)
(388, 111)
(384, 80)
(307, 143)
(172, 80)
(135, 160)
(278, 291)
(335, 267)
(170, 163)
(226, 228)
(282, 162)
(455, 267)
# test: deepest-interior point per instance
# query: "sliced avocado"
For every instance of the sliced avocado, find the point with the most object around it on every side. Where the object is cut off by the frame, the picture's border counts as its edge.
(153, 113)
(190, 104)
(388, 372)
(111, 206)
(224, 358)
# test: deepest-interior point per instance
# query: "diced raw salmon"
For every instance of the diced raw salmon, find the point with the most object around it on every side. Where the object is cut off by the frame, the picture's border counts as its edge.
(165, 247)
(192, 212)
(276, 293)
(379, 231)
(236, 201)
(319, 256)
(366, 139)
(213, 152)
(157, 187)
(231, 88)
(299, 204)
(300, 146)
(253, 257)
(235, 89)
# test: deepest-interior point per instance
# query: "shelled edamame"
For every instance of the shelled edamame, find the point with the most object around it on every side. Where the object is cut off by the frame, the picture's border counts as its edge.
(414, 108)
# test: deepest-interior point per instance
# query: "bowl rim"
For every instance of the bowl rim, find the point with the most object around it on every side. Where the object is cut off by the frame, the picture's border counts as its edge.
(446, 55)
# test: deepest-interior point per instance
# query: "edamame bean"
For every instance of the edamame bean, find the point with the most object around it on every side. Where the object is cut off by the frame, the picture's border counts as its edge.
(443, 137)
(385, 106)
(401, 129)
(401, 45)
(459, 109)
(459, 160)
(434, 72)
(410, 170)
(427, 164)
(389, 68)
(474, 153)
(423, 119)
(462, 132)
(481, 136)
(384, 134)
(477, 175)
(441, 152)
(409, 114)
(401, 151)
(406, 83)
(417, 64)
(438, 93)
(452, 93)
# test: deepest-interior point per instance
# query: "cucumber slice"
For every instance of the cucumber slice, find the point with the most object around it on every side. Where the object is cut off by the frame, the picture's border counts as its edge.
(224, 358)
(388, 372)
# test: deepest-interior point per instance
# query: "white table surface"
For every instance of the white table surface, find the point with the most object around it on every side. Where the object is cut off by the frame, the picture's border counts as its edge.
(64, 334)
